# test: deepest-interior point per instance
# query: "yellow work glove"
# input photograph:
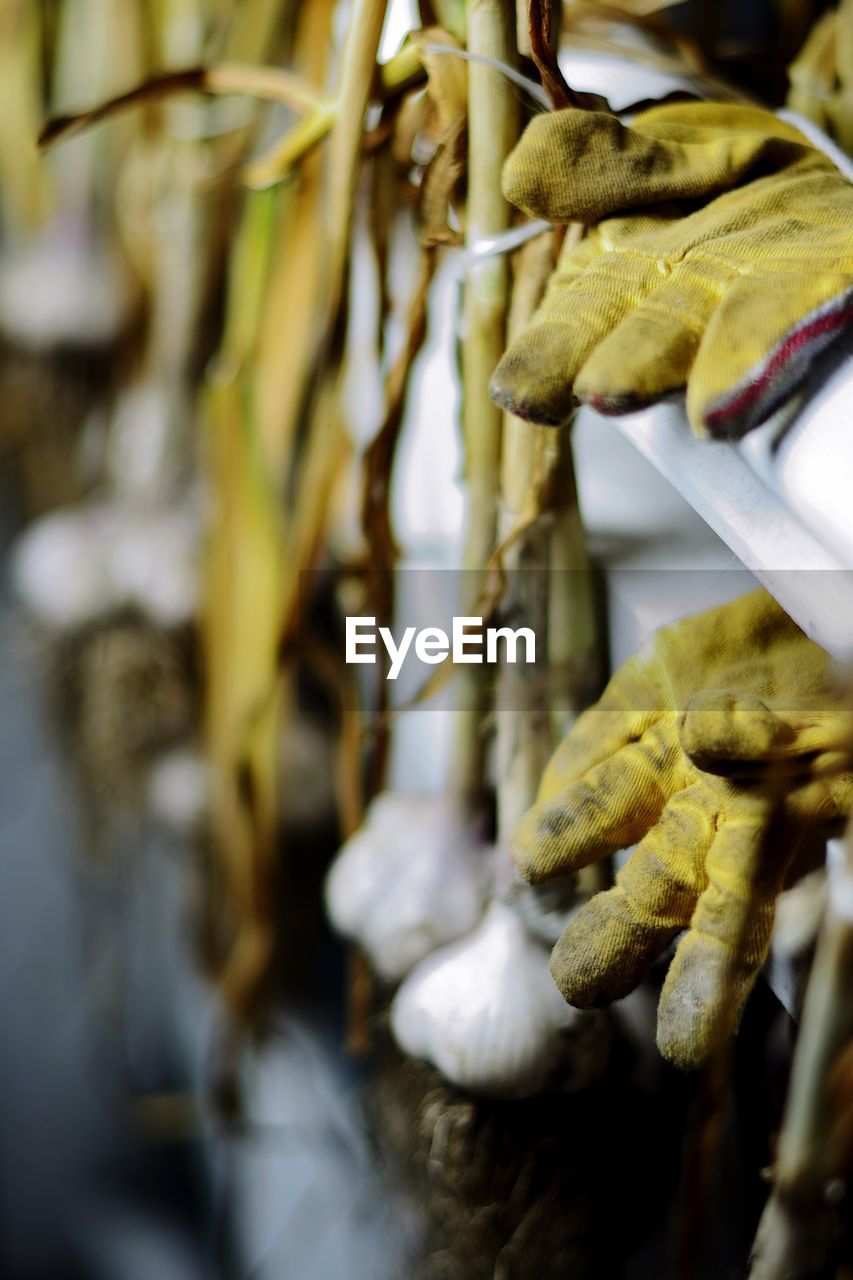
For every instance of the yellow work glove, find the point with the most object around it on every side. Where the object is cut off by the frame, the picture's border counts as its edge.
(730, 266)
(821, 77)
(715, 751)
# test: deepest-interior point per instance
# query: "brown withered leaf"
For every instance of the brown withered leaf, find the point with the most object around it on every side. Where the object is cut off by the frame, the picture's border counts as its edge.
(412, 120)
(442, 175)
(543, 44)
(447, 76)
(446, 94)
(270, 83)
(376, 486)
(543, 52)
(381, 214)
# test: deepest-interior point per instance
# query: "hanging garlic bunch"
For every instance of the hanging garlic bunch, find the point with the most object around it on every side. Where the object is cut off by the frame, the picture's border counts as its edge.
(412, 878)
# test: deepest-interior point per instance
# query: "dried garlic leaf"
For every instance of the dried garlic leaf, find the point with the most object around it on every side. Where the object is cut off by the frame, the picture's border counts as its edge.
(442, 174)
(447, 94)
(270, 83)
(447, 76)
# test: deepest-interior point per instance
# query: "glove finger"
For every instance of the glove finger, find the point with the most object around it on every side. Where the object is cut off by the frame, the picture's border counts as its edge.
(739, 736)
(844, 37)
(719, 731)
(649, 354)
(825, 800)
(616, 937)
(716, 962)
(535, 378)
(812, 74)
(759, 344)
(597, 735)
(583, 165)
(611, 807)
(628, 708)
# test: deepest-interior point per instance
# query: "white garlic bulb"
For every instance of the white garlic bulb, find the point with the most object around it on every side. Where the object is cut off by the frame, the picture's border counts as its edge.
(152, 563)
(58, 571)
(65, 290)
(411, 879)
(179, 791)
(75, 566)
(485, 1011)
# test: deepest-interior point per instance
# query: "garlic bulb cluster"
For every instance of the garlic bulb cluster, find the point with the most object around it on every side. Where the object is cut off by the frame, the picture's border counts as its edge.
(485, 1010)
(413, 878)
(75, 566)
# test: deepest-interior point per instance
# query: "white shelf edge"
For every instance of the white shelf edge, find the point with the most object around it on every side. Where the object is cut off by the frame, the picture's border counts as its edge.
(812, 584)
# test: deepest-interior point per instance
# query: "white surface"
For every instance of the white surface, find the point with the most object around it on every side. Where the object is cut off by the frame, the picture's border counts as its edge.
(619, 79)
(768, 530)
(809, 463)
(661, 560)
(401, 18)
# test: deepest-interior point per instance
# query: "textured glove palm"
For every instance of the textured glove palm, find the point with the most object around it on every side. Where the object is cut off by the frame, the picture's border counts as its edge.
(716, 750)
(731, 267)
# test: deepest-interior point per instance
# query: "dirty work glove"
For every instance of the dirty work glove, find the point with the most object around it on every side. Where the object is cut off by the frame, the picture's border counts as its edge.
(715, 750)
(729, 266)
(821, 77)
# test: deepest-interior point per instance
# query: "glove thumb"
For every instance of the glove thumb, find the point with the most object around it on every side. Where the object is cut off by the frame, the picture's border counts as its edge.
(729, 735)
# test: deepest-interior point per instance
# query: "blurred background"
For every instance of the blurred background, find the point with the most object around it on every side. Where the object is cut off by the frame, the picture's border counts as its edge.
(229, 403)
